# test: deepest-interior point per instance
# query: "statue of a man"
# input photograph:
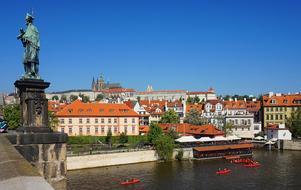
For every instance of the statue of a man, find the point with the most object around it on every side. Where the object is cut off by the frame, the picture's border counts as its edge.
(31, 41)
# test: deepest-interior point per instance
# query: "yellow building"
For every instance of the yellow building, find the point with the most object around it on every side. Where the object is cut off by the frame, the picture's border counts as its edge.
(277, 108)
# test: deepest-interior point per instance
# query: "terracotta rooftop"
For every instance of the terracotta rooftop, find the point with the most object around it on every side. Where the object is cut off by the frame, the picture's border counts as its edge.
(283, 100)
(80, 109)
(185, 128)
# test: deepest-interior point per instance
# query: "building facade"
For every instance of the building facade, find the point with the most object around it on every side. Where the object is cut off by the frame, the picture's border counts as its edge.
(96, 119)
(277, 108)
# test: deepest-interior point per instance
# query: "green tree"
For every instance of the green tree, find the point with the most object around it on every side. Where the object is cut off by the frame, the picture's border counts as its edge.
(55, 98)
(170, 117)
(196, 100)
(154, 132)
(123, 138)
(138, 98)
(227, 128)
(172, 133)
(63, 98)
(53, 121)
(164, 146)
(73, 98)
(294, 123)
(99, 97)
(189, 100)
(180, 154)
(12, 115)
(195, 118)
(109, 138)
(84, 98)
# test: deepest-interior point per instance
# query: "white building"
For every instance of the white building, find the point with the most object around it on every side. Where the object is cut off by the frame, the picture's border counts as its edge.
(203, 96)
(278, 132)
(213, 111)
(170, 95)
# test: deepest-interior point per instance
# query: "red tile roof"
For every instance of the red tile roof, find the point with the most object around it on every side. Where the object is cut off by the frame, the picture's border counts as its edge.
(117, 90)
(223, 147)
(284, 100)
(253, 106)
(197, 107)
(239, 104)
(80, 109)
(55, 106)
(144, 129)
(185, 128)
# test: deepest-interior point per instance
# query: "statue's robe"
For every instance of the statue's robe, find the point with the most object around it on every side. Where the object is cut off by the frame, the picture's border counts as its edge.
(31, 41)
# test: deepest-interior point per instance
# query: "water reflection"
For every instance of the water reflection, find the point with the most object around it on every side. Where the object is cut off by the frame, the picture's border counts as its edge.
(279, 170)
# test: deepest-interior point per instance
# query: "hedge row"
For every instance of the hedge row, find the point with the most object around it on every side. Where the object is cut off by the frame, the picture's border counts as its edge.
(95, 140)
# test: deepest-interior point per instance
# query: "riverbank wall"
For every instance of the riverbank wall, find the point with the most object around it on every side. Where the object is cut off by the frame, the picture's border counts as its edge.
(291, 145)
(103, 160)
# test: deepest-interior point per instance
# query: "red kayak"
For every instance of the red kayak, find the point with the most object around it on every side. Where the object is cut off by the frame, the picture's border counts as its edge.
(221, 172)
(130, 182)
(252, 165)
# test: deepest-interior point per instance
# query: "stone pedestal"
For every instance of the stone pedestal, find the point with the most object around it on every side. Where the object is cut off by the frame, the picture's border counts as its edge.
(34, 105)
(38, 144)
(46, 152)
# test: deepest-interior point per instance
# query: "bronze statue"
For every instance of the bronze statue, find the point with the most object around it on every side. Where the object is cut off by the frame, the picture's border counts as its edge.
(31, 41)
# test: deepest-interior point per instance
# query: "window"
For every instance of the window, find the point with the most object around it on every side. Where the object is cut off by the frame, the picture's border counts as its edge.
(70, 121)
(62, 121)
(88, 129)
(133, 120)
(249, 121)
(96, 130)
(63, 130)
(281, 108)
(102, 129)
(80, 130)
(133, 129)
(125, 129)
(102, 120)
(281, 117)
(248, 128)
(268, 117)
(109, 120)
(125, 120)
(101, 110)
(273, 102)
(276, 117)
(88, 120)
(236, 121)
(272, 109)
(267, 109)
(276, 109)
(80, 120)
(115, 129)
(115, 120)
(70, 130)
(272, 117)
(96, 120)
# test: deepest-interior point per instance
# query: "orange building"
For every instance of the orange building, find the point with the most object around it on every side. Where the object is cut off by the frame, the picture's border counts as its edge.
(96, 119)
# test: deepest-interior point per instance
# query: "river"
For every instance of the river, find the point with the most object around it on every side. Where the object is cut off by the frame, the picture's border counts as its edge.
(279, 170)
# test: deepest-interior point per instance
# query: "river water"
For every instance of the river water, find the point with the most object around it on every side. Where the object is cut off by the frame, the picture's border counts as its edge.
(279, 170)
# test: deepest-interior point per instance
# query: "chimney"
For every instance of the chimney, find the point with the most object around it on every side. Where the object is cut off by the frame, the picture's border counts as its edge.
(245, 99)
(271, 94)
(235, 99)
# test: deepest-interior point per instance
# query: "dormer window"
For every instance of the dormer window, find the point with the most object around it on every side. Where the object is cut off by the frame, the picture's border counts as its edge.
(273, 101)
(70, 110)
(89, 110)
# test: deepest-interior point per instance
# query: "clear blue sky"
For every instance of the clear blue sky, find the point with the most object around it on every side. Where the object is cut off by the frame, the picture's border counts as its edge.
(244, 47)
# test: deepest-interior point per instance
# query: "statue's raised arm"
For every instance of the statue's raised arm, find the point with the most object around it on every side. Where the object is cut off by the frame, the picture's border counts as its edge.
(31, 41)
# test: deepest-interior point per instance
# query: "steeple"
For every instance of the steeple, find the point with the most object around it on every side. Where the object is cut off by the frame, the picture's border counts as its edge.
(93, 84)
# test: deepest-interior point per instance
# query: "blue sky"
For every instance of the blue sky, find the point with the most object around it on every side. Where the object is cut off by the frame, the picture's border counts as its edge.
(237, 47)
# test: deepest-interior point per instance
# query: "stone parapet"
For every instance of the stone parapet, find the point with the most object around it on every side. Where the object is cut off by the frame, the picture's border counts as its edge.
(46, 152)
(15, 172)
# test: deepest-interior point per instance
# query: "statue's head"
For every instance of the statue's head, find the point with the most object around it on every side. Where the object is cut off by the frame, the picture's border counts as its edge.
(29, 18)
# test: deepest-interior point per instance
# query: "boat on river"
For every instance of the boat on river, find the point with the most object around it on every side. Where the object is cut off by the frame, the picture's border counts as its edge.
(133, 181)
(223, 172)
